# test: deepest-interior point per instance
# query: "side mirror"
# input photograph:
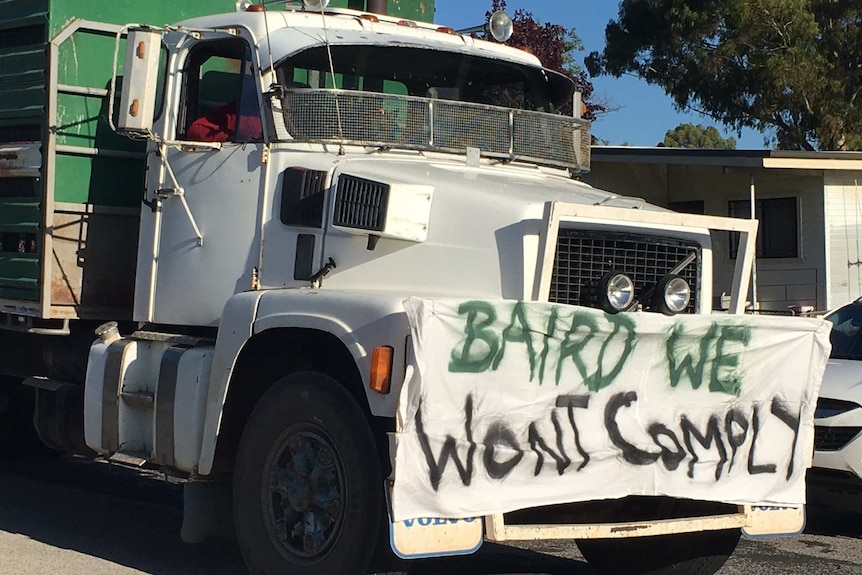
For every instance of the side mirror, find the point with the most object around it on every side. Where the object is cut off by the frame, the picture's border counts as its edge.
(140, 78)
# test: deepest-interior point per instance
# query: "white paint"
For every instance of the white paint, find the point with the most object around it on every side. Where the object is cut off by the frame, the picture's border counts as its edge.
(223, 191)
(93, 390)
(138, 101)
(843, 232)
(235, 330)
(139, 374)
(190, 400)
(779, 365)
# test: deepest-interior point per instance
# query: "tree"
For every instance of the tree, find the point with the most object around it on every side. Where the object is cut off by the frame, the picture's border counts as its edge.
(555, 47)
(792, 68)
(701, 137)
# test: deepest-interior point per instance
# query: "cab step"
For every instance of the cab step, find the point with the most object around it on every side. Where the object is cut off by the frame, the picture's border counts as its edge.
(136, 459)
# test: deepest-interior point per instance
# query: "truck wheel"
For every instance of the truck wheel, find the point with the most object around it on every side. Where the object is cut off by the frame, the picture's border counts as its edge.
(701, 553)
(308, 492)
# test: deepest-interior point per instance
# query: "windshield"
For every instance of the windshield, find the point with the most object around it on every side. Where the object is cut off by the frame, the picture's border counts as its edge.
(846, 333)
(406, 71)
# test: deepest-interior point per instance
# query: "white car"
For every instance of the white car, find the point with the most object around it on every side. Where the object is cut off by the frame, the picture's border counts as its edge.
(836, 476)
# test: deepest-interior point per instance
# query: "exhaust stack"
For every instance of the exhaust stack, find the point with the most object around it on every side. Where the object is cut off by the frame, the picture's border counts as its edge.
(377, 6)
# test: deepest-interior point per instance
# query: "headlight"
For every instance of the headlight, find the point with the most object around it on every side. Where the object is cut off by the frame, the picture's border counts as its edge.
(672, 295)
(500, 26)
(317, 5)
(616, 292)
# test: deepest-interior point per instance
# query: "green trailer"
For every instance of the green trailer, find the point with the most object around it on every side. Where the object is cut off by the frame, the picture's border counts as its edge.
(422, 10)
(70, 188)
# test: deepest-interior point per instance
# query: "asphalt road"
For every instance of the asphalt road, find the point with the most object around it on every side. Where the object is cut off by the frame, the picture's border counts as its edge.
(75, 517)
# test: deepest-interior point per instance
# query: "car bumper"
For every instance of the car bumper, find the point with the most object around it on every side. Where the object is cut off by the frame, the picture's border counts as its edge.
(836, 475)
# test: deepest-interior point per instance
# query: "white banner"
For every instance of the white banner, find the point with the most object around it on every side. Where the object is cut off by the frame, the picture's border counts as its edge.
(509, 405)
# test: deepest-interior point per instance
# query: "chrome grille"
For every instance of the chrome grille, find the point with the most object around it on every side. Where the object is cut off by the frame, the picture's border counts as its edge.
(384, 120)
(583, 257)
(459, 126)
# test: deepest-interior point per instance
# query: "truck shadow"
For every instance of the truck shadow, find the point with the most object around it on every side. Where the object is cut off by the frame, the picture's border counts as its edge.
(113, 515)
(133, 520)
(830, 521)
(495, 559)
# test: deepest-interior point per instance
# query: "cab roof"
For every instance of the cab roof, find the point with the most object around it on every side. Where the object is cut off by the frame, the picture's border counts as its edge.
(278, 34)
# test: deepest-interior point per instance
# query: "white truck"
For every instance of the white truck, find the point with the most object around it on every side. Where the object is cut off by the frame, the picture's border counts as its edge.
(351, 219)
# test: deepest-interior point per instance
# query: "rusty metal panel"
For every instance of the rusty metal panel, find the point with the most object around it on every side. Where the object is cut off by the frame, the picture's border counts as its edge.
(93, 257)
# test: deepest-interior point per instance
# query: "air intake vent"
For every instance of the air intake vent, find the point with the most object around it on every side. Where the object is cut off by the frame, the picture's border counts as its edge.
(302, 197)
(361, 204)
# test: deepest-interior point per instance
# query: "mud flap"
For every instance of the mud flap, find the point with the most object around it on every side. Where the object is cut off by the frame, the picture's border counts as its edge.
(774, 521)
(433, 537)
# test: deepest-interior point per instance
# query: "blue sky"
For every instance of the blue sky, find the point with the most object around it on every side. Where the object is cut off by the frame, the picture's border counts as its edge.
(645, 113)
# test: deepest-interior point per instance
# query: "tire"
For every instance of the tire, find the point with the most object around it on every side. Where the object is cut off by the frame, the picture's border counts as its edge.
(701, 553)
(308, 491)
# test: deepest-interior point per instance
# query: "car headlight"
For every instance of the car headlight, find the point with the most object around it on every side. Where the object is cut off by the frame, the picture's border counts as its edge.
(616, 292)
(672, 295)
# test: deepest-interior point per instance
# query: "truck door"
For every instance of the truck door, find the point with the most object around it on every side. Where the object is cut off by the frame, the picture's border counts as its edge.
(205, 189)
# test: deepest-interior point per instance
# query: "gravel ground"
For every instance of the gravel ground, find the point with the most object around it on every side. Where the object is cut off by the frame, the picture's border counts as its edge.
(75, 517)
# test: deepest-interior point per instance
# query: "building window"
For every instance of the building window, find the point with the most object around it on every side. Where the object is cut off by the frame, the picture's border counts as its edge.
(778, 234)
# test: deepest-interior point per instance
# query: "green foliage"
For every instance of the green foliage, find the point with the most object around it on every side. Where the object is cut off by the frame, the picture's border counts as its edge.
(789, 67)
(699, 136)
(555, 47)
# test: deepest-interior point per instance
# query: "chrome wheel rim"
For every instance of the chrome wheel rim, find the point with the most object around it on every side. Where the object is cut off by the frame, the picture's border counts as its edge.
(304, 494)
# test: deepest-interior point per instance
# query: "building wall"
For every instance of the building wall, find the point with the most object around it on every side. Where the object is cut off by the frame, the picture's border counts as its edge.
(781, 282)
(647, 181)
(843, 202)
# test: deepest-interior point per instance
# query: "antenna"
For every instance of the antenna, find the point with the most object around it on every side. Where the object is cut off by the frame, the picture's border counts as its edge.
(244, 5)
(323, 4)
(268, 42)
